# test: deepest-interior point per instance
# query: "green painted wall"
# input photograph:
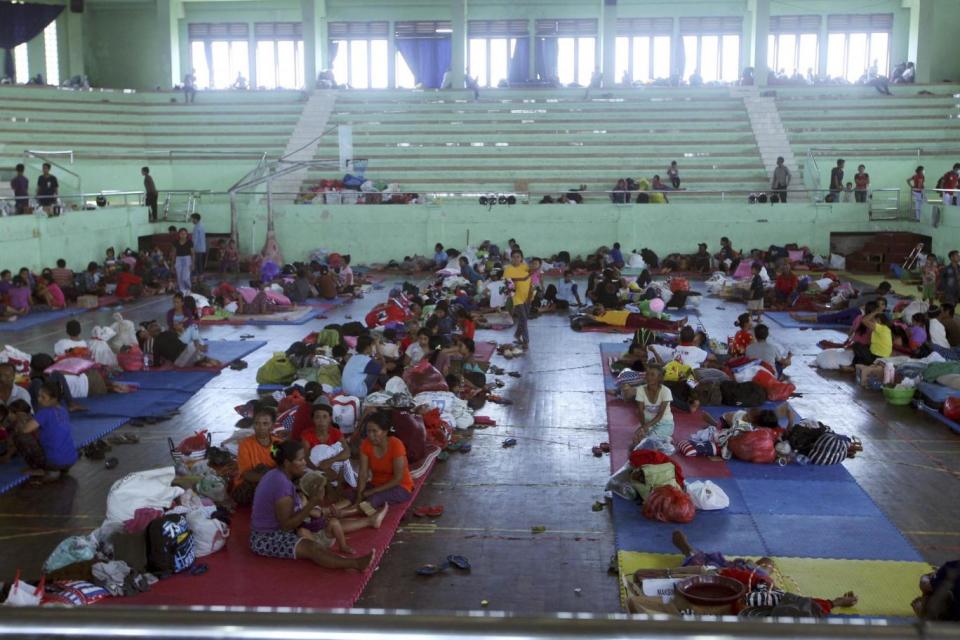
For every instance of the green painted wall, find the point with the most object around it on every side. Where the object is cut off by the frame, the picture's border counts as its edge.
(123, 46)
(378, 233)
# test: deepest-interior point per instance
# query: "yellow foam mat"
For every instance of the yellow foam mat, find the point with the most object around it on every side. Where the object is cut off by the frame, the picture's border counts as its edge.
(885, 588)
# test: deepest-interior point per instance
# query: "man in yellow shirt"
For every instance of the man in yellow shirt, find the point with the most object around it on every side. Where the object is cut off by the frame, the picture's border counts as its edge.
(518, 273)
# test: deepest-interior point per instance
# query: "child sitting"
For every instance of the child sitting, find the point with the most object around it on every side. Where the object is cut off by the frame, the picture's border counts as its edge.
(229, 258)
(18, 297)
(90, 281)
(419, 349)
(468, 328)
(755, 304)
(743, 337)
(50, 295)
(766, 352)
(72, 346)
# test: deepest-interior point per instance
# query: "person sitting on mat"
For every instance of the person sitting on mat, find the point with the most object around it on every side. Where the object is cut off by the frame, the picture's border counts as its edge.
(939, 600)
(166, 346)
(327, 449)
(278, 514)
(383, 459)
(254, 456)
(653, 407)
(623, 318)
(762, 575)
(45, 442)
(72, 345)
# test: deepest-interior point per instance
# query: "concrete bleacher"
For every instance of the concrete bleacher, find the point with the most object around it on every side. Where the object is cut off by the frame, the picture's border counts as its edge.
(116, 125)
(919, 124)
(547, 141)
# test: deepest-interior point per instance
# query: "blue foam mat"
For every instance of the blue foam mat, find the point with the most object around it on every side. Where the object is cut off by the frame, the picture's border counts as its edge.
(933, 413)
(818, 497)
(936, 393)
(229, 350)
(733, 534)
(190, 381)
(40, 317)
(309, 314)
(799, 472)
(783, 319)
(11, 475)
(843, 537)
(142, 403)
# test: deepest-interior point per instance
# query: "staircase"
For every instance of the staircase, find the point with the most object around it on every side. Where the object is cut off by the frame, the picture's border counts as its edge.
(768, 130)
(302, 145)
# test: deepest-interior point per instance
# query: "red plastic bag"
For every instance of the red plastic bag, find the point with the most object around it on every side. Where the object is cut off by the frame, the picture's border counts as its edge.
(669, 504)
(776, 389)
(439, 432)
(199, 441)
(424, 377)
(755, 446)
(130, 359)
(679, 284)
(951, 408)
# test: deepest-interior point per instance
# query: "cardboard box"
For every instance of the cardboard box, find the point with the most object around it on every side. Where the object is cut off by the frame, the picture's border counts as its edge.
(88, 302)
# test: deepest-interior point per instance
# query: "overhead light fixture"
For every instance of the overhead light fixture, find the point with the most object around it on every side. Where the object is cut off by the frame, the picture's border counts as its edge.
(443, 30)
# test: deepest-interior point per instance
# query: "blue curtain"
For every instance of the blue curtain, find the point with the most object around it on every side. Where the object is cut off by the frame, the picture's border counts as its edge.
(428, 59)
(520, 62)
(21, 23)
(333, 50)
(546, 62)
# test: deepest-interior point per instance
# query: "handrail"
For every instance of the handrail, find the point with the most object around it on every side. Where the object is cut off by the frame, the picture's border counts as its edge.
(103, 622)
(39, 155)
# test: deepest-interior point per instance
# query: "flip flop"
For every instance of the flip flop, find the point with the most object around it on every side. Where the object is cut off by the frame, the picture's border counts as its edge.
(431, 569)
(443, 456)
(131, 438)
(597, 452)
(435, 511)
(509, 442)
(514, 374)
(605, 447)
(199, 569)
(422, 512)
(111, 463)
(466, 448)
(459, 562)
(455, 446)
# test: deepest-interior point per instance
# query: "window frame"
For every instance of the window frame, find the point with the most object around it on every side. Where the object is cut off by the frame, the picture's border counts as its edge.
(651, 59)
(347, 43)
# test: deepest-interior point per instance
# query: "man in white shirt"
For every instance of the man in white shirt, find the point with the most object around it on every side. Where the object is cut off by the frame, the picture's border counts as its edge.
(8, 390)
(72, 341)
(937, 333)
(686, 353)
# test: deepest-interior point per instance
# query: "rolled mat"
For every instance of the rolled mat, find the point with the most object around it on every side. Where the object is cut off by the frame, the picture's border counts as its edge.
(236, 576)
(783, 319)
(299, 315)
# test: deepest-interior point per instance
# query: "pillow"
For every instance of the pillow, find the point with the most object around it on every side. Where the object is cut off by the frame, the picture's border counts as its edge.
(73, 366)
(795, 256)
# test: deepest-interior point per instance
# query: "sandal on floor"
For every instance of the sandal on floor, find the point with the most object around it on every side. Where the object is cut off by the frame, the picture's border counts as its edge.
(421, 512)
(199, 569)
(459, 562)
(466, 448)
(597, 452)
(509, 442)
(431, 569)
(435, 511)
(111, 463)
(605, 447)
(514, 374)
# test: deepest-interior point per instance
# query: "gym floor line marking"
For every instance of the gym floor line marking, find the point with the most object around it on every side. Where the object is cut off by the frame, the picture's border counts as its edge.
(424, 528)
(36, 534)
(50, 515)
(933, 533)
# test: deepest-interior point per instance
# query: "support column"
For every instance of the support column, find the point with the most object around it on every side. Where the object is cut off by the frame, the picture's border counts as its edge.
(70, 44)
(824, 48)
(761, 29)
(608, 43)
(532, 56)
(458, 42)
(168, 44)
(252, 56)
(922, 43)
(392, 55)
(316, 51)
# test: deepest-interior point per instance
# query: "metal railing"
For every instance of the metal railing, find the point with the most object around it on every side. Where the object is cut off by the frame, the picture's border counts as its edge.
(44, 156)
(176, 205)
(239, 623)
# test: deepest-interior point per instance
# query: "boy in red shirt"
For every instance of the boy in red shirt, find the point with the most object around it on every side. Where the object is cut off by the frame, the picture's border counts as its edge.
(915, 182)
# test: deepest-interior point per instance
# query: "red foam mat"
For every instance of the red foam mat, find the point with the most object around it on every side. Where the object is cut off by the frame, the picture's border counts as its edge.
(483, 351)
(237, 577)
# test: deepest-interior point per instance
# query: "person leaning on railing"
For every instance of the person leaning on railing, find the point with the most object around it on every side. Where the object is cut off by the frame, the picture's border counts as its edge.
(21, 191)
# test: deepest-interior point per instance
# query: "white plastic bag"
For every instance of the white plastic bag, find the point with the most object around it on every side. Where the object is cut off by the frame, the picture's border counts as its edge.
(838, 262)
(707, 496)
(141, 489)
(833, 359)
(100, 351)
(209, 534)
(746, 373)
(24, 594)
(619, 483)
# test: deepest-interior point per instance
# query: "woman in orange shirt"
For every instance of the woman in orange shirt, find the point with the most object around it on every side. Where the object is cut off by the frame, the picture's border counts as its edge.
(384, 476)
(254, 458)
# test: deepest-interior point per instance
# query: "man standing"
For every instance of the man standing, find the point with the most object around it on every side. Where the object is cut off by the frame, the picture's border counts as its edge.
(152, 195)
(950, 279)
(21, 191)
(781, 180)
(190, 87)
(47, 188)
(518, 273)
(199, 245)
(836, 181)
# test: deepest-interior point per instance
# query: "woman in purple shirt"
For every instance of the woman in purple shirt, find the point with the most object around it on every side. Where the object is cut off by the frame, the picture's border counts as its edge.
(45, 442)
(278, 513)
(19, 296)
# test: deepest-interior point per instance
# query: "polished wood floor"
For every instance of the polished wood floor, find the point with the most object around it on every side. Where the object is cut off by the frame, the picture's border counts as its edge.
(492, 495)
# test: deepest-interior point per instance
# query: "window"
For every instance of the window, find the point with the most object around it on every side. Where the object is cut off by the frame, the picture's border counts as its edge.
(711, 48)
(361, 63)
(404, 78)
(643, 58)
(858, 43)
(279, 55)
(218, 53)
(489, 59)
(51, 54)
(576, 60)
(792, 53)
(716, 58)
(21, 66)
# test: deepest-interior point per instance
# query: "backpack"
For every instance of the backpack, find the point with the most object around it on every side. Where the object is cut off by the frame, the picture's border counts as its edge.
(742, 394)
(346, 410)
(709, 393)
(412, 432)
(277, 370)
(170, 545)
(354, 329)
(830, 448)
